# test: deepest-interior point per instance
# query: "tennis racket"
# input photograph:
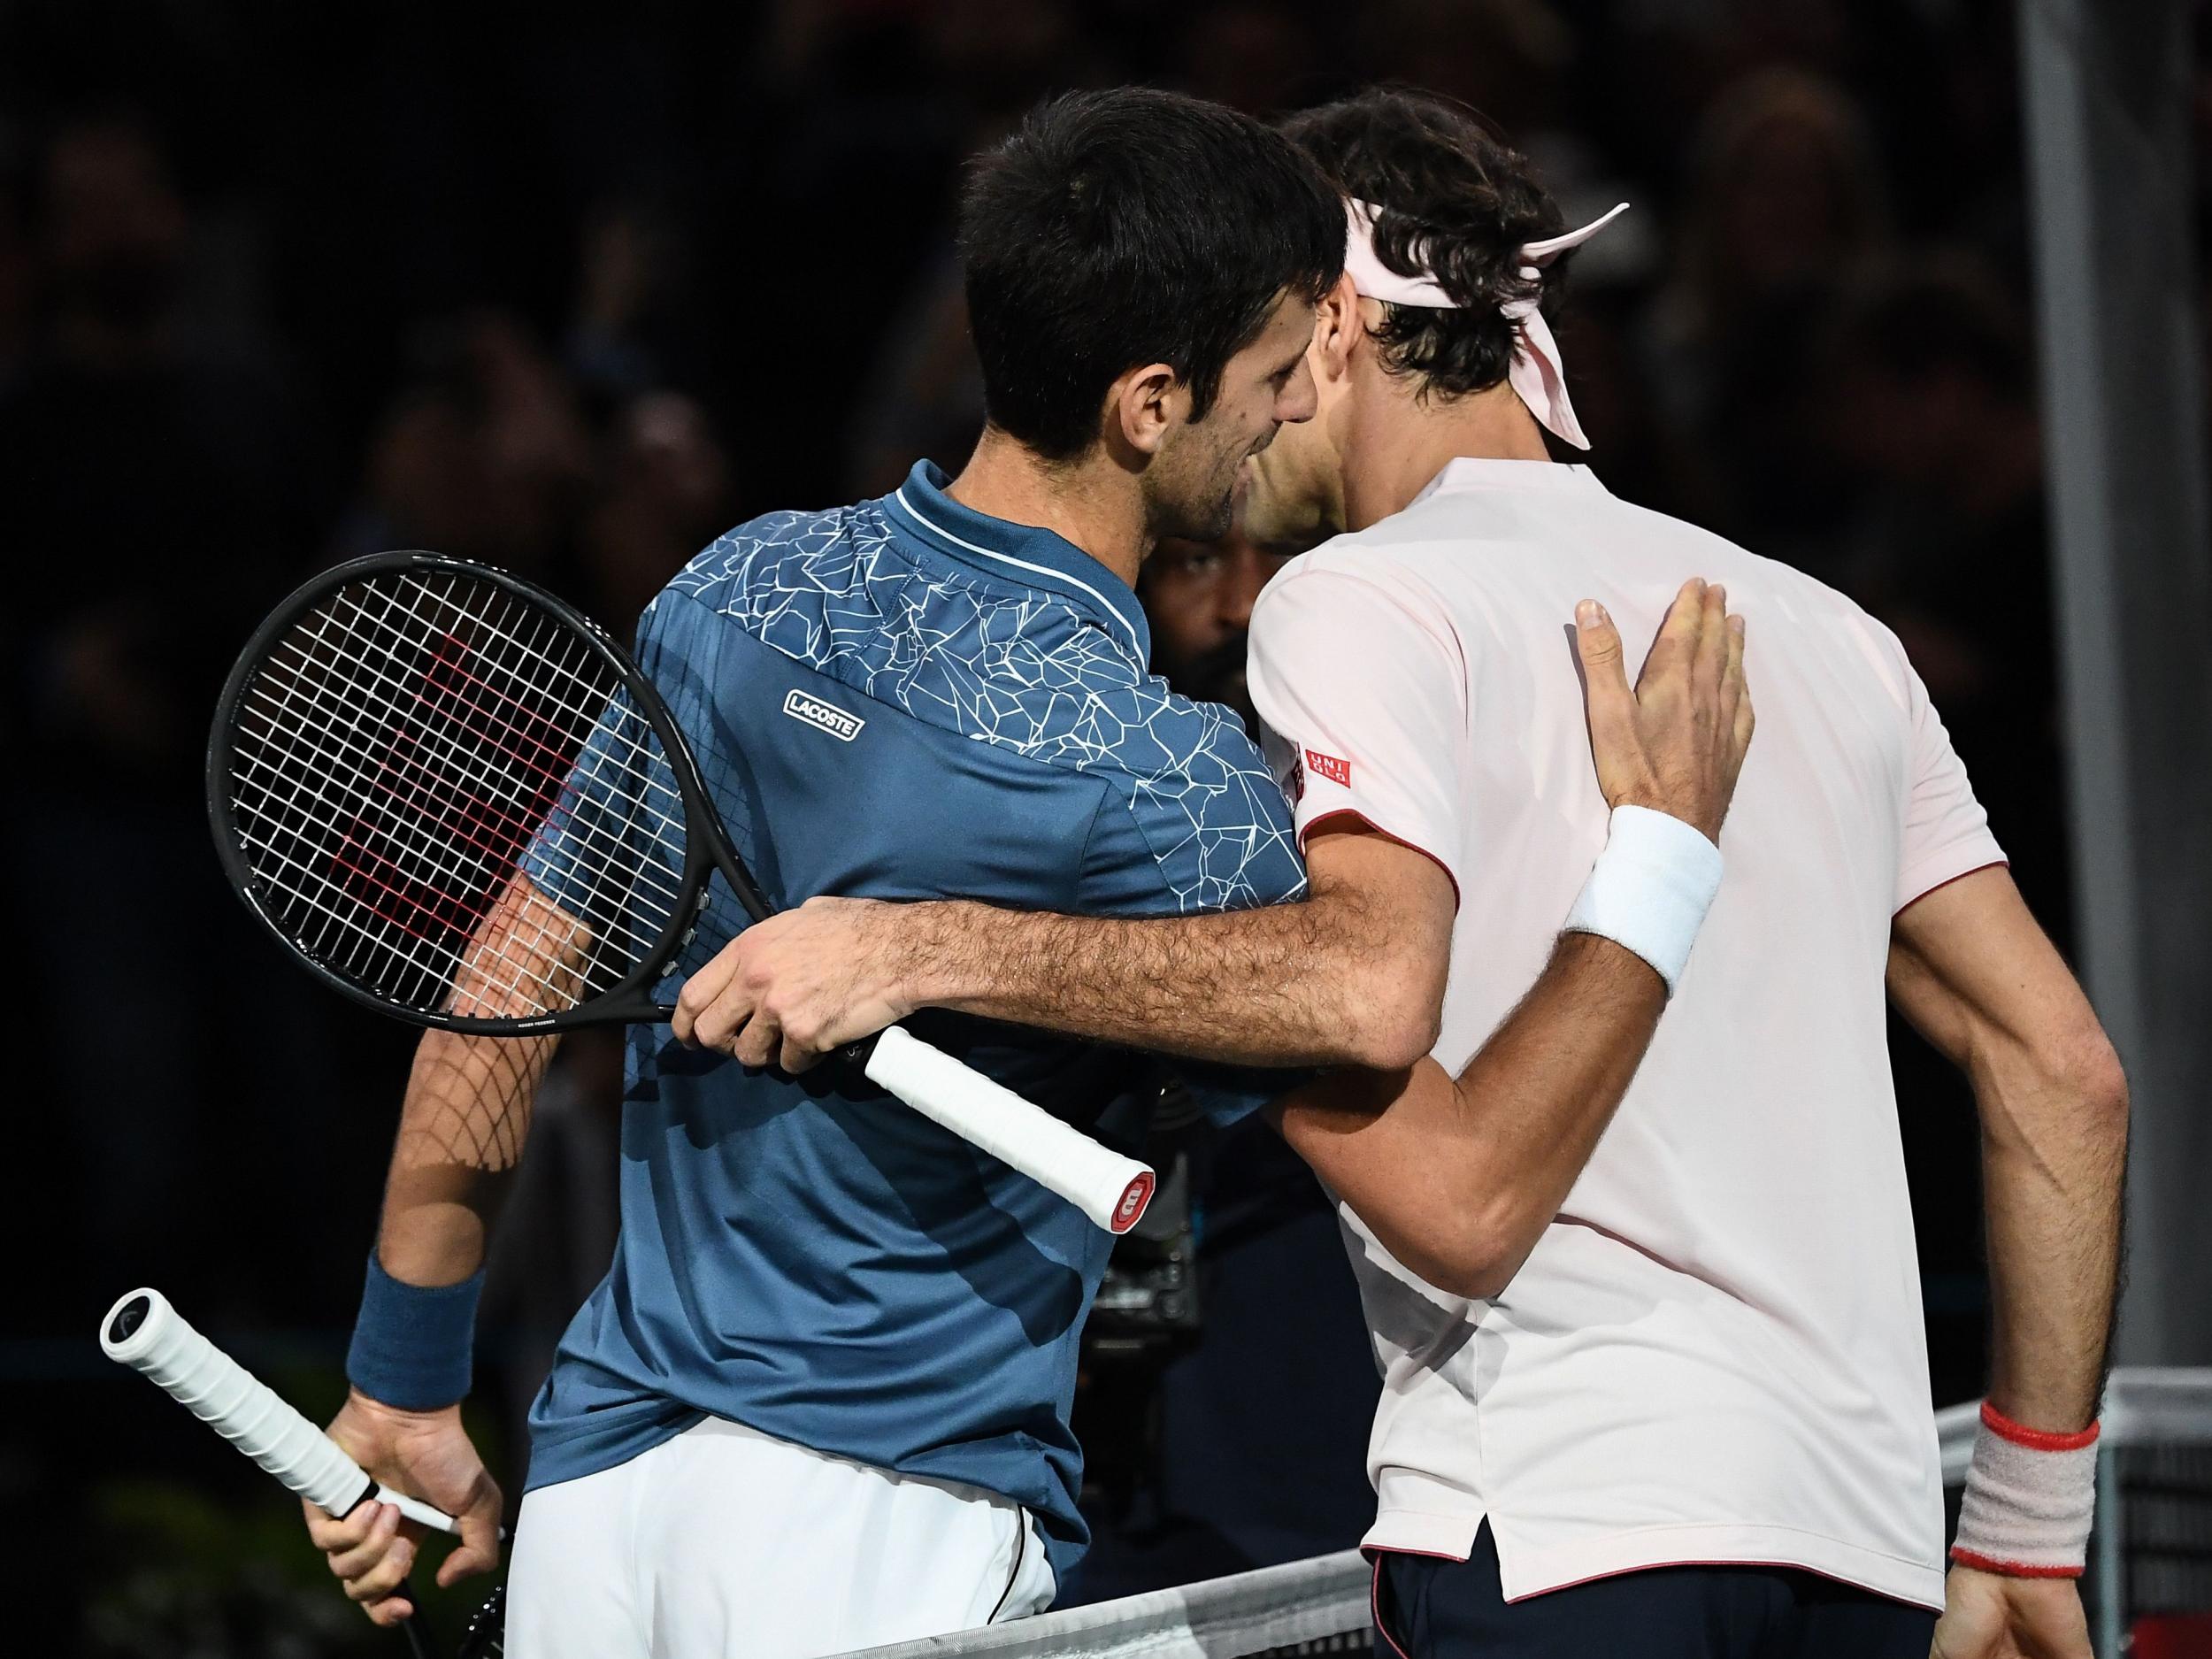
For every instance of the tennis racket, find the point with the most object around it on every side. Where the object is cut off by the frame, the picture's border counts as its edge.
(145, 1333)
(457, 800)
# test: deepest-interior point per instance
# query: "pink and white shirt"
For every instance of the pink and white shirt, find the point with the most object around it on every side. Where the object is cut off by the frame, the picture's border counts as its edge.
(1715, 1353)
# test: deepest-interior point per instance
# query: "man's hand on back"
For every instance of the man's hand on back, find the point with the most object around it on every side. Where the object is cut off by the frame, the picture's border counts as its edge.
(1676, 743)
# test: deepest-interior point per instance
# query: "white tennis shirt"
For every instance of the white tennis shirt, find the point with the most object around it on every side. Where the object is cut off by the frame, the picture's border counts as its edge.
(1715, 1353)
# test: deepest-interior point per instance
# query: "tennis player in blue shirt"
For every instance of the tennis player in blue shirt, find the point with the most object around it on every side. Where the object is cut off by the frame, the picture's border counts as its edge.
(820, 1402)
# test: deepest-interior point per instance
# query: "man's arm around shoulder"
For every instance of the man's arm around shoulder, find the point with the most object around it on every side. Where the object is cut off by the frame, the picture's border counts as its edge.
(1353, 975)
(1457, 1177)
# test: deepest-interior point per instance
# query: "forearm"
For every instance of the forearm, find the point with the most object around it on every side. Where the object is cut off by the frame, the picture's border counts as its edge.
(1546, 1084)
(2053, 1116)
(467, 1110)
(1458, 1177)
(1312, 983)
(2054, 1155)
(461, 1134)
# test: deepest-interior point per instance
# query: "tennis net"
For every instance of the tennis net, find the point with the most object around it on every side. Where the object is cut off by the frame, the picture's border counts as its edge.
(1301, 1608)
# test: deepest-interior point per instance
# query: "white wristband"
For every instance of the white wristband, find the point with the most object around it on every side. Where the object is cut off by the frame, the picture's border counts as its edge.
(2029, 1497)
(1650, 888)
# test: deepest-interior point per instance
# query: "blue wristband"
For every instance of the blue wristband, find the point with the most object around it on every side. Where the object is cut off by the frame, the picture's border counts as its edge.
(412, 1343)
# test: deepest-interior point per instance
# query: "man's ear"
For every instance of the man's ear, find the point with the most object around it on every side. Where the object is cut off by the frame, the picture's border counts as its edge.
(1337, 325)
(1143, 403)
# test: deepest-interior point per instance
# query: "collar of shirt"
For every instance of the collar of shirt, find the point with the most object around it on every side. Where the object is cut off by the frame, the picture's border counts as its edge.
(1037, 559)
(1467, 471)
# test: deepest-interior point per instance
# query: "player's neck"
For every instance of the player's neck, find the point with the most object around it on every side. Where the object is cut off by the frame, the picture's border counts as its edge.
(1408, 442)
(1102, 516)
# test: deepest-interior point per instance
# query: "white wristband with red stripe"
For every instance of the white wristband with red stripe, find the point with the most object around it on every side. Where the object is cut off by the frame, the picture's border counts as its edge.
(2029, 1499)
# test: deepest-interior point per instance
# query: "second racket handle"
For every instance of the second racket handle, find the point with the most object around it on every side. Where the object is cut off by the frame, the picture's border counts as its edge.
(1110, 1189)
(145, 1333)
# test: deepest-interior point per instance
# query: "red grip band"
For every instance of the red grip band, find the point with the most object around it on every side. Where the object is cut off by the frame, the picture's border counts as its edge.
(1134, 1197)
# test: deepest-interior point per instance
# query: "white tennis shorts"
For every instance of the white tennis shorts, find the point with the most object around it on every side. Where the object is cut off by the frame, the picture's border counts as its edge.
(725, 1542)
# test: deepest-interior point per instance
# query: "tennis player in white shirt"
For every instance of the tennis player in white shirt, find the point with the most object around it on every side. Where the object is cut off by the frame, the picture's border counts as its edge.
(1687, 1414)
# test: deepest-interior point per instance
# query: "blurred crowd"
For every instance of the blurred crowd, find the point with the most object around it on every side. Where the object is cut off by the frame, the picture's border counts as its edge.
(574, 287)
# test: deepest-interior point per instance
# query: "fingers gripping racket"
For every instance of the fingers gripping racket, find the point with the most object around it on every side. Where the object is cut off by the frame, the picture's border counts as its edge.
(145, 1333)
(457, 800)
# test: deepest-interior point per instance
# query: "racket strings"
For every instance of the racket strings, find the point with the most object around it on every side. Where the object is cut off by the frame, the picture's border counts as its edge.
(508, 826)
(500, 978)
(506, 724)
(432, 955)
(411, 745)
(499, 826)
(634, 757)
(497, 831)
(595, 853)
(348, 857)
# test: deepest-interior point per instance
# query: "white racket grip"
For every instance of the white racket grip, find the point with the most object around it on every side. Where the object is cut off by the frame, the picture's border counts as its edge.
(145, 1333)
(1110, 1189)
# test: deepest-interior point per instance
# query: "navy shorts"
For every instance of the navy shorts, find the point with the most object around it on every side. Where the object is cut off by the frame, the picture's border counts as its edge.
(1429, 1608)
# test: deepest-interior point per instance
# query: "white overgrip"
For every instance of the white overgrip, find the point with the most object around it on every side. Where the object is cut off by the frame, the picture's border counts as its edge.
(145, 1333)
(1110, 1189)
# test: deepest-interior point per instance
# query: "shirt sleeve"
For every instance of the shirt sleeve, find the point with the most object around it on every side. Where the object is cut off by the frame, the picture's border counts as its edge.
(1947, 831)
(1194, 819)
(1363, 702)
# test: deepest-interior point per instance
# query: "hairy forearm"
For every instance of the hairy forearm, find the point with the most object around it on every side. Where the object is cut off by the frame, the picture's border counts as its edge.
(1978, 979)
(1313, 983)
(1458, 1177)
(461, 1135)
(2054, 1156)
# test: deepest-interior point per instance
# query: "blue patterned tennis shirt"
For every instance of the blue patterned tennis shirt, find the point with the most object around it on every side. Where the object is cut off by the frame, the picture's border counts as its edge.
(903, 699)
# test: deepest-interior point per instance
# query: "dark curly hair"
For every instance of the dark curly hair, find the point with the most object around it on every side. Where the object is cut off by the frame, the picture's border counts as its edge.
(1132, 226)
(1457, 204)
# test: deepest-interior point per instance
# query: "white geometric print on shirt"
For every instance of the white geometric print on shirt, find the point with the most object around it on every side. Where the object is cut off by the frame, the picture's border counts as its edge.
(1031, 673)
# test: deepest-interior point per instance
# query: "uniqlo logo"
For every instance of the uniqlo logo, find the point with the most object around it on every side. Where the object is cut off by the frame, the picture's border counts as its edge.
(1337, 772)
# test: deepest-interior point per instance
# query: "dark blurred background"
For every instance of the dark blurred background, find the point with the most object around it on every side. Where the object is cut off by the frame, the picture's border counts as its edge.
(574, 287)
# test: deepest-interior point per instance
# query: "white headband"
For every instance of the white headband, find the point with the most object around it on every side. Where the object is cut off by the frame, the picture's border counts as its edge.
(1537, 375)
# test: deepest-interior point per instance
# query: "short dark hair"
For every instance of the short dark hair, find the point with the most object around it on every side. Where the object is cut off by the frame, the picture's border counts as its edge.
(1127, 227)
(1457, 204)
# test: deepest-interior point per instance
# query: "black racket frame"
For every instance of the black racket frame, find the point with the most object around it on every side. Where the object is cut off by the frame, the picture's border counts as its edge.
(707, 848)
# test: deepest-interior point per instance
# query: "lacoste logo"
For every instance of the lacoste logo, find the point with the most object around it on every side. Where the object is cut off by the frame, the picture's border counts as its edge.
(823, 716)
